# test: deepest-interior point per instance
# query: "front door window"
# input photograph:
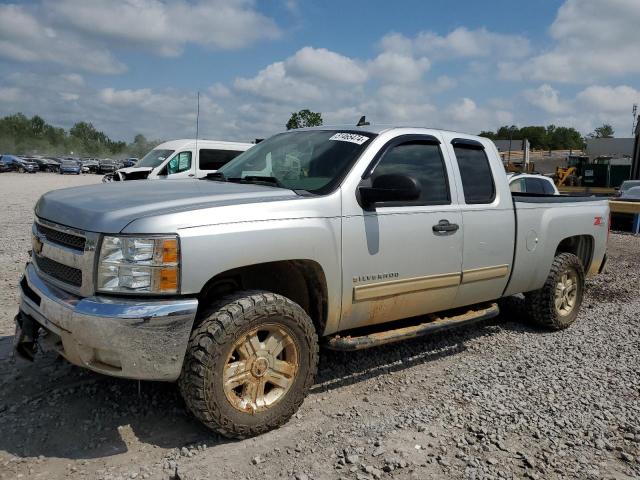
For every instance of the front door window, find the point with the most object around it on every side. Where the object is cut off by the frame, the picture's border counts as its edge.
(181, 162)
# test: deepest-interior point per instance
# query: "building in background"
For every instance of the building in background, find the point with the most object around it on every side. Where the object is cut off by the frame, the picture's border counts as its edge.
(609, 147)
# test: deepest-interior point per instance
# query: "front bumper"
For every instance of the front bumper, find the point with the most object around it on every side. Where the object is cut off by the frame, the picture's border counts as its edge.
(130, 338)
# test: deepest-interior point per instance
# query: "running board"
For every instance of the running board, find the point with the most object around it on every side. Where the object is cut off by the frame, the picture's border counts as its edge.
(361, 342)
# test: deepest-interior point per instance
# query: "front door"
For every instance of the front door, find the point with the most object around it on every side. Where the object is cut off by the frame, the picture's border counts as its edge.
(397, 261)
(180, 166)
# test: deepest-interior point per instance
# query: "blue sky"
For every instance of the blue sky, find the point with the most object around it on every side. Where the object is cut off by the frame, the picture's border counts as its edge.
(132, 66)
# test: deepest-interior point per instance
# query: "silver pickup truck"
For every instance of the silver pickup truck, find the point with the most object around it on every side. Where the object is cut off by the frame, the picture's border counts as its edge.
(347, 237)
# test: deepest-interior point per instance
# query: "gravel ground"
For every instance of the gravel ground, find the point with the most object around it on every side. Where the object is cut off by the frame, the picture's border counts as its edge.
(499, 400)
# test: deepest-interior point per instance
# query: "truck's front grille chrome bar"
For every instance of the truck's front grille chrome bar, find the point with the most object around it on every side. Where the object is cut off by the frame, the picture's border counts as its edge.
(61, 238)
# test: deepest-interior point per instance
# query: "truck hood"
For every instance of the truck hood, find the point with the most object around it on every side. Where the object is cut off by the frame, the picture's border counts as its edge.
(110, 207)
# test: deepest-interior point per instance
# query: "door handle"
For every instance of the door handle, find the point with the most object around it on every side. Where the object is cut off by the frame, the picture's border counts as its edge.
(443, 226)
(191, 175)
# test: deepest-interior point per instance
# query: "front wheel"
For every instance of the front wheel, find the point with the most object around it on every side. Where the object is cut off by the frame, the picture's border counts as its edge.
(21, 170)
(249, 364)
(555, 306)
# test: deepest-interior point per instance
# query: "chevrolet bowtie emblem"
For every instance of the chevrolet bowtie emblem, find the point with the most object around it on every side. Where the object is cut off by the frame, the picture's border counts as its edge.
(37, 244)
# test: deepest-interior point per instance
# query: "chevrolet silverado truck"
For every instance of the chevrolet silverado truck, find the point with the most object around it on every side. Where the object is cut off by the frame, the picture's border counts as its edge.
(343, 237)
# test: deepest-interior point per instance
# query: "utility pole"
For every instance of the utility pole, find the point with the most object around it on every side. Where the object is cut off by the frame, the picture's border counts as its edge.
(635, 118)
(511, 129)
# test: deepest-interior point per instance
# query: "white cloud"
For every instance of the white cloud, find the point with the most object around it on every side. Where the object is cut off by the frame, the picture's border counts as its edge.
(467, 116)
(320, 63)
(166, 27)
(546, 98)
(163, 103)
(396, 42)
(219, 90)
(73, 78)
(395, 67)
(69, 97)
(593, 40)
(24, 38)
(9, 94)
(609, 99)
(274, 83)
(466, 43)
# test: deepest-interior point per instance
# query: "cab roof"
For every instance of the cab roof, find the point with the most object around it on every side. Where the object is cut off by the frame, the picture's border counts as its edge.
(381, 128)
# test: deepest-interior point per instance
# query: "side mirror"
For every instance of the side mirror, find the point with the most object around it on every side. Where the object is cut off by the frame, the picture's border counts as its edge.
(390, 188)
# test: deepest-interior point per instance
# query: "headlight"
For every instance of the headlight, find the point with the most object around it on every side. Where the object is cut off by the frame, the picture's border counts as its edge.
(139, 265)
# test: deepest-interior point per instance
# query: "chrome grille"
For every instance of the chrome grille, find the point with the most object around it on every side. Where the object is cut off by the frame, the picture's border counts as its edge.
(65, 256)
(59, 271)
(61, 238)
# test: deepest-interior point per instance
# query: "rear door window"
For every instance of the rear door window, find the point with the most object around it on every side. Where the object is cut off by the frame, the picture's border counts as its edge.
(475, 173)
(213, 159)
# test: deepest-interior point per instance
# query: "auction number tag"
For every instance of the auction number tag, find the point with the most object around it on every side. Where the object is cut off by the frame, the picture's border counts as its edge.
(349, 137)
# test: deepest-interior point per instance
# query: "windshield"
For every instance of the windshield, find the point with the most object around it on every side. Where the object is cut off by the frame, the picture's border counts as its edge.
(314, 161)
(154, 158)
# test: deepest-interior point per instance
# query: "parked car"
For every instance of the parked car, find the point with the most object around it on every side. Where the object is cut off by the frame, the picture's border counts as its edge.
(5, 166)
(107, 165)
(626, 186)
(45, 164)
(92, 165)
(54, 159)
(180, 159)
(631, 194)
(71, 167)
(531, 183)
(20, 165)
(358, 236)
(129, 162)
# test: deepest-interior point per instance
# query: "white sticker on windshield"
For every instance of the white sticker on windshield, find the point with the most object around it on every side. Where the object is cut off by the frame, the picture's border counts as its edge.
(350, 137)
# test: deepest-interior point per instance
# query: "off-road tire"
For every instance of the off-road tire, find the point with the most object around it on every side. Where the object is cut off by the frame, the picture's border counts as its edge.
(540, 304)
(220, 325)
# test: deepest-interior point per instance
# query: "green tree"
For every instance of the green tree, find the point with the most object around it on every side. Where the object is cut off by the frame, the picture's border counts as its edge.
(506, 132)
(488, 134)
(304, 118)
(21, 135)
(536, 135)
(603, 131)
(37, 126)
(562, 138)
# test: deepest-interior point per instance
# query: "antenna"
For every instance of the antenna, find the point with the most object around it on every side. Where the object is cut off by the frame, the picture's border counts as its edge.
(197, 123)
(362, 122)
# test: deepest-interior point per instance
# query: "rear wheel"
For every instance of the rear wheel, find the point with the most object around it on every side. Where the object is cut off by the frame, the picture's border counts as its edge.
(249, 364)
(557, 303)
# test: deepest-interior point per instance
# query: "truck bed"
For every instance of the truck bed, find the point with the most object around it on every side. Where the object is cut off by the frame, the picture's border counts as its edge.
(542, 226)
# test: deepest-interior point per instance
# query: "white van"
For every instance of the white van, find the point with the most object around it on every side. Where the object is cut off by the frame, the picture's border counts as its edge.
(179, 159)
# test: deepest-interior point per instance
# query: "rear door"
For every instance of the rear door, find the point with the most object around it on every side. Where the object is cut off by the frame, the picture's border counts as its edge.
(488, 218)
(397, 263)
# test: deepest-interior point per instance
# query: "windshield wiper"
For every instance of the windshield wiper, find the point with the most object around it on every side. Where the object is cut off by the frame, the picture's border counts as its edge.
(216, 176)
(257, 179)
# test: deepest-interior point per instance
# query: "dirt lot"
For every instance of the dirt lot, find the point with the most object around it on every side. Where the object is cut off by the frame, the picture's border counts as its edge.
(500, 400)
